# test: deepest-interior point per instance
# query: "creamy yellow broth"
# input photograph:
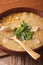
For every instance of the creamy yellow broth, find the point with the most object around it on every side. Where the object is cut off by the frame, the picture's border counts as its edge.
(13, 20)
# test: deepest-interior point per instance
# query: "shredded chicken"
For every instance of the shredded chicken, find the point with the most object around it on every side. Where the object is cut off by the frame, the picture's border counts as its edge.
(37, 40)
(2, 28)
(34, 29)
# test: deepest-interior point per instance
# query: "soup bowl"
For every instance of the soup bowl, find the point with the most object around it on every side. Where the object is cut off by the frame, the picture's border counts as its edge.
(17, 10)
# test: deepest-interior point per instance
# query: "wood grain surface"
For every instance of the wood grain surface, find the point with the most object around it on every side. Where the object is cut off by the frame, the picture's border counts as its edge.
(19, 59)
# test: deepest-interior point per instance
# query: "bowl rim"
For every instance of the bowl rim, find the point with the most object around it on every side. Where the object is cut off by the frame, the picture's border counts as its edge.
(16, 10)
(21, 9)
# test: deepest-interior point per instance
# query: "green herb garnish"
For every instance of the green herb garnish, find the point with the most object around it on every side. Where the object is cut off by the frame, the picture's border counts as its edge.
(23, 32)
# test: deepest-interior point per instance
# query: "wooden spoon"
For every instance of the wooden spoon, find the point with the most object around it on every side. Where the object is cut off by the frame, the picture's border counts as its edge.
(32, 53)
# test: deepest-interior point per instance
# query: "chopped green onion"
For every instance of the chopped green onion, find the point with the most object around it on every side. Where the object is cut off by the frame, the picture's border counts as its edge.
(23, 32)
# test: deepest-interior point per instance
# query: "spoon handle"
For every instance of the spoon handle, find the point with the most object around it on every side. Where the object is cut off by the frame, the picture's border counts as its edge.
(32, 53)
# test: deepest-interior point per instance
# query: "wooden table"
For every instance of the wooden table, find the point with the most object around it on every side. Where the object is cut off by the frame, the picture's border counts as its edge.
(20, 59)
